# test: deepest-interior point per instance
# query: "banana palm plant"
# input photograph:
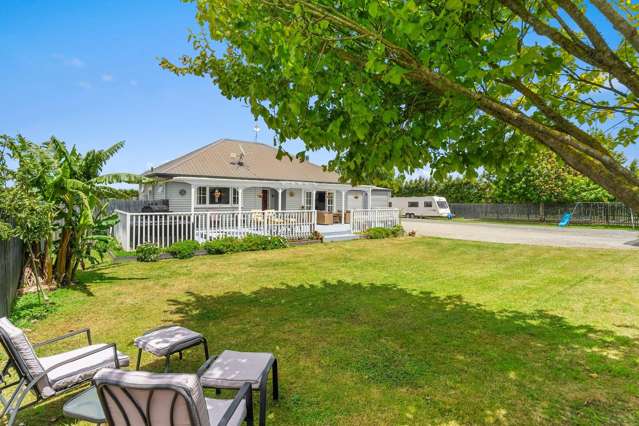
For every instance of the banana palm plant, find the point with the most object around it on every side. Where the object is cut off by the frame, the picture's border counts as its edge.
(83, 215)
(74, 186)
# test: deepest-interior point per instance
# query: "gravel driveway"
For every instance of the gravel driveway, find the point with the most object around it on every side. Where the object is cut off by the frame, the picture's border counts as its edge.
(525, 234)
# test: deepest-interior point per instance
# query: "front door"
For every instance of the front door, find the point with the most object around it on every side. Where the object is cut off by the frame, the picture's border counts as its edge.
(265, 199)
(320, 201)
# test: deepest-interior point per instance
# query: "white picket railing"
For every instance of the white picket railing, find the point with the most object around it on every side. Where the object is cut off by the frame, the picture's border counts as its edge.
(163, 229)
(361, 219)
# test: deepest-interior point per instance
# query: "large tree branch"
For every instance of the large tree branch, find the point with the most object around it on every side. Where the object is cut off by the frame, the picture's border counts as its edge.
(554, 115)
(593, 160)
(602, 57)
(624, 27)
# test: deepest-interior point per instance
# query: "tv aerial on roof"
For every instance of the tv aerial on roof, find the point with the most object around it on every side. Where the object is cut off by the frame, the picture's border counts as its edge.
(238, 159)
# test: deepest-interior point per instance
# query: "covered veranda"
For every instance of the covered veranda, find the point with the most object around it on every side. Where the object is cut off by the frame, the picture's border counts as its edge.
(332, 201)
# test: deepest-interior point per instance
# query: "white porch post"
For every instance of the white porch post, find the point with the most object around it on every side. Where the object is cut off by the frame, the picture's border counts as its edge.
(240, 198)
(192, 198)
(313, 201)
(370, 198)
(279, 199)
(343, 204)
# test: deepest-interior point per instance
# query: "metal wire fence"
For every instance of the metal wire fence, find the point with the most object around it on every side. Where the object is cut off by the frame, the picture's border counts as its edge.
(611, 214)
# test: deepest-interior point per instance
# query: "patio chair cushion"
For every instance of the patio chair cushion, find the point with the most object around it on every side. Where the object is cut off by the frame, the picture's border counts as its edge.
(217, 408)
(232, 369)
(83, 369)
(155, 392)
(166, 341)
(27, 358)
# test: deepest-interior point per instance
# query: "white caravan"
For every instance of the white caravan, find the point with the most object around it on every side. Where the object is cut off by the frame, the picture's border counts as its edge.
(421, 206)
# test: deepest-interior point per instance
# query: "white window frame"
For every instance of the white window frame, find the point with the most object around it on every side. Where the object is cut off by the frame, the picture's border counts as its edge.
(233, 196)
(330, 201)
(198, 195)
(308, 203)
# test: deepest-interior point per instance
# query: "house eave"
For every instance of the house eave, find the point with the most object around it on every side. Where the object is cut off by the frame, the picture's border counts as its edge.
(271, 183)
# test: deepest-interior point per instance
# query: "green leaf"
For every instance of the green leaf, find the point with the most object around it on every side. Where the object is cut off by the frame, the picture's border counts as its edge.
(373, 9)
(394, 75)
(454, 4)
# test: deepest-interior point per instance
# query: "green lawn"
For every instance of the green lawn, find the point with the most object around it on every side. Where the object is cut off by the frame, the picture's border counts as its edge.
(392, 332)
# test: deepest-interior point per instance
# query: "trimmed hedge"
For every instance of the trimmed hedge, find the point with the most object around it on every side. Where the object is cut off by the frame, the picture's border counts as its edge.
(147, 253)
(222, 245)
(183, 249)
(250, 242)
(188, 248)
(379, 233)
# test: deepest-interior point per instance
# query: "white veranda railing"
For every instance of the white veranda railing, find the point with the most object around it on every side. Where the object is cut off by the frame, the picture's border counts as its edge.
(163, 229)
(361, 220)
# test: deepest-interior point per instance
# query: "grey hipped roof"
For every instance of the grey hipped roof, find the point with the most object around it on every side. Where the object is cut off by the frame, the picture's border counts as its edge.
(220, 160)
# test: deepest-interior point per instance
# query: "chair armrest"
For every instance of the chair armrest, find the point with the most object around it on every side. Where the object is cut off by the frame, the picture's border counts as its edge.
(245, 393)
(40, 376)
(84, 355)
(65, 336)
(205, 366)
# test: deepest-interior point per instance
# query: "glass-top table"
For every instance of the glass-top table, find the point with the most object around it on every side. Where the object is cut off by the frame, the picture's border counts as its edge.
(85, 406)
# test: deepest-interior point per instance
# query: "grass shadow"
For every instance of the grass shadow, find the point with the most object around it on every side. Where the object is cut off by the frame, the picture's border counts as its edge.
(344, 346)
(377, 354)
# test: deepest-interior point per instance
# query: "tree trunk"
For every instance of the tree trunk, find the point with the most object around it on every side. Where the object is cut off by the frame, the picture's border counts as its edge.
(62, 256)
(36, 273)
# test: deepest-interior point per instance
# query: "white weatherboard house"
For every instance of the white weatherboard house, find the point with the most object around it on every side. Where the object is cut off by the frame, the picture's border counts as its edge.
(231, 175)
(235, 188)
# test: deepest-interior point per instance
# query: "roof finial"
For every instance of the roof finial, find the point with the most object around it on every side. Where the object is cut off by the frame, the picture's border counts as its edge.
(256, 129)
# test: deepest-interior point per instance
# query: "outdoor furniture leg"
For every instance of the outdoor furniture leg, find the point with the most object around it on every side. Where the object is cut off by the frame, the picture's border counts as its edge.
(167, 363)
(137, 364)
(276, 385)
(206, 348)
(263, 403)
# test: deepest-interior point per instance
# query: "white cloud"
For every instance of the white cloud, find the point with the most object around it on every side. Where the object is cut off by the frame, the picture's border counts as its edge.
(70, 62)
(133, 82)
(75, 62)
(107, 77)
(85, 85)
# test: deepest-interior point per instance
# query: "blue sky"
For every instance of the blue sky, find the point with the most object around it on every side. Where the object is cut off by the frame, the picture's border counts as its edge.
(87, 72)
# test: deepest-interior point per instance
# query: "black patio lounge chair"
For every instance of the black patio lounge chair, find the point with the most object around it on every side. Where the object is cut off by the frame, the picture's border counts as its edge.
(48, 376)
(142, 398)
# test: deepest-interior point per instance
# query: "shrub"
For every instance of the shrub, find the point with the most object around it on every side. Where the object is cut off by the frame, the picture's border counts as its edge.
(222, 245)
(253, 242)
(147, 253)
(183, 249)
(397, 231)
(379, 232)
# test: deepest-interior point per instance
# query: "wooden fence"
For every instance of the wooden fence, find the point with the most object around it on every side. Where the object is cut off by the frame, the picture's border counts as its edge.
(11, 262)
(134, 206)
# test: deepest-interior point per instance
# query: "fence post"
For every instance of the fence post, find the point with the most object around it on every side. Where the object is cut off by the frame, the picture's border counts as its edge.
(127, 232)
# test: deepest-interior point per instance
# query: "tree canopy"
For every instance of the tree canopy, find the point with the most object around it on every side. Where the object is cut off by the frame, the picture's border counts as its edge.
(453, 84)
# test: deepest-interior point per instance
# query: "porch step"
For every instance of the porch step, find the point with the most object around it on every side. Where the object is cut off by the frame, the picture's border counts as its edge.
(329, 238)
(336, 232)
